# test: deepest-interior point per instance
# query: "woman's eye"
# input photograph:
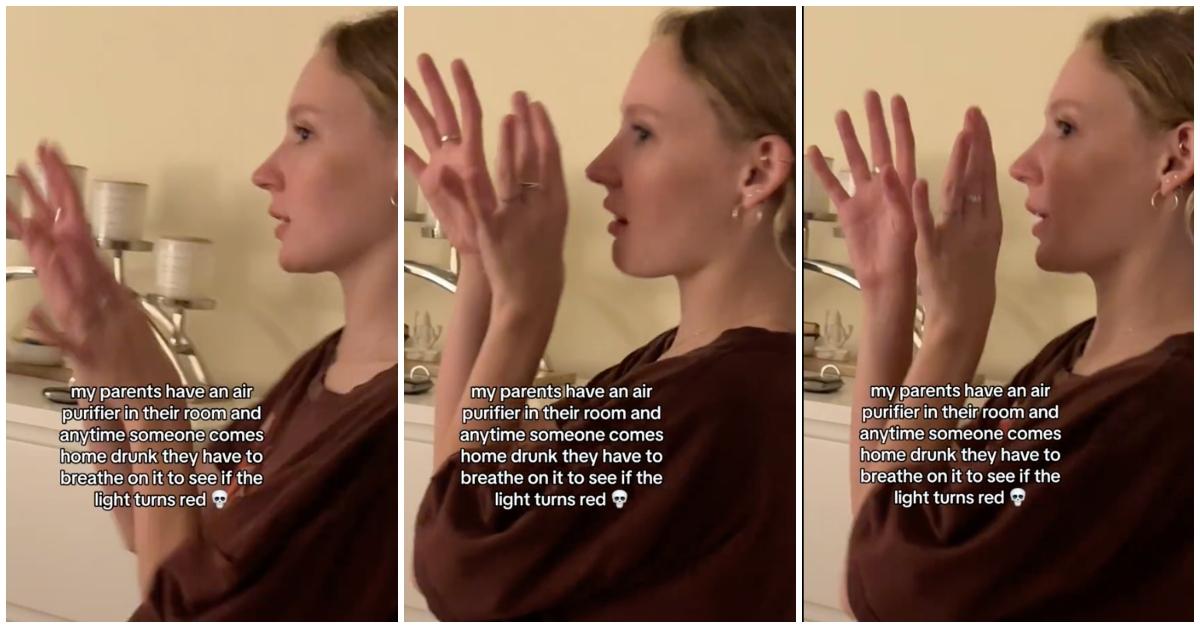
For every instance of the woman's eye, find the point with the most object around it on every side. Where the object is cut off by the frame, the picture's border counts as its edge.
(301, 132)
(641, 133)
(1064, 128)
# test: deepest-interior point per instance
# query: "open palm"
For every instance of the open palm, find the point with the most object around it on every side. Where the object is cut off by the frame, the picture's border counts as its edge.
(456, 159)
(877, 219)
(91, 317)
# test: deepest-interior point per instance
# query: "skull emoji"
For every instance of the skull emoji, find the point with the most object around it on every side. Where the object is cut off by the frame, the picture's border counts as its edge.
(620, 497)
(1018, 496)
(219, 497)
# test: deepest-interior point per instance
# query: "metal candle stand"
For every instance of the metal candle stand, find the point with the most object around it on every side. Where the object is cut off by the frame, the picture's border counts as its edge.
(167, 317)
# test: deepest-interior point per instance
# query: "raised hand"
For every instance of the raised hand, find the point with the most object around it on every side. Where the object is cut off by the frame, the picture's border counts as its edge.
(522, 229)
(880, 234)
(956, 258)
(96, 321)
(456, 166)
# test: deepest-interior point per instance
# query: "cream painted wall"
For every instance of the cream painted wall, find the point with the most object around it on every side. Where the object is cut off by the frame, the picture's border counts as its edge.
(577, 61)
(943, 60)
(190, 101)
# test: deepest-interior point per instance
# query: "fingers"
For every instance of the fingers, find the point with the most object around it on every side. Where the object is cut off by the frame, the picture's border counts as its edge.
(472, 111)
(64, 194)
(881, 144)
(854, 154)
(420, 116)
(413, 163)
(897, 195)
(906, 145)
(833, 187)
(549, 166)
(990, 189)
(443, 109)
(955, 184)
(922, 214)
(41, 214)
(524, 153)
(507, 187)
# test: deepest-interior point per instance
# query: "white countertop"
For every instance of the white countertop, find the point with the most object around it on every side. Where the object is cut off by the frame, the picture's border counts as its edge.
(26, 405)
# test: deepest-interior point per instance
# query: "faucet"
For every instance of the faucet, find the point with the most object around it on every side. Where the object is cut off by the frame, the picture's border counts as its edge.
(845, 274)
(448, 279)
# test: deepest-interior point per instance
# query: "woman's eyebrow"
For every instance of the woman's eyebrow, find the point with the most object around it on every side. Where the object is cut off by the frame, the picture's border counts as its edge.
(646, 109)
(1065, 102)
(296, 110)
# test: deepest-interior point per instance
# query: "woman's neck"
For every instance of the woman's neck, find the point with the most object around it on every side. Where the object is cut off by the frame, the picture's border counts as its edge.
(1141, 299)
(760, 291)
(369, 300)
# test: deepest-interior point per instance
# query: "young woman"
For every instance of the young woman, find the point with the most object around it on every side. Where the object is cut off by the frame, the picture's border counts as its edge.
(1110, 183)
(700, 181)
(317, 539)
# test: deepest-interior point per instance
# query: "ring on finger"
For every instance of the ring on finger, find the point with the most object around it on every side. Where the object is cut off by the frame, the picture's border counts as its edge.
(974, 199)
(450, 137)
(530, 185)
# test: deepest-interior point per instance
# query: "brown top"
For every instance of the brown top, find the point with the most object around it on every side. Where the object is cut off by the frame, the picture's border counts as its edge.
(715, 541)
(1111, 541)
(317, 540)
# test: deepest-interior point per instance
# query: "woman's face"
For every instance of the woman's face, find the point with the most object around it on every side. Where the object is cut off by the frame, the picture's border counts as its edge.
(332, 176)
(1092, 171)
(672, 179)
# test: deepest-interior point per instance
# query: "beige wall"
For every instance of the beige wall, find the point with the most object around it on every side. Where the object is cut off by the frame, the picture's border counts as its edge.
(190, 101)
(942, 60)
(577, 61)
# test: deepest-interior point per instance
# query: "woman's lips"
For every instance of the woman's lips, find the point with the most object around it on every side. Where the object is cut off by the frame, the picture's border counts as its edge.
(618, 226)
(280, 228)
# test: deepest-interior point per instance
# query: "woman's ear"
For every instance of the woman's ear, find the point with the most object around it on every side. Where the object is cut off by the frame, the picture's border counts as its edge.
(772, 163)
(1177, 175)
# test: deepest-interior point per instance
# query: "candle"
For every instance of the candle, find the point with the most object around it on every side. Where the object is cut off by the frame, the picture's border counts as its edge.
(118, 210)
(183, 267)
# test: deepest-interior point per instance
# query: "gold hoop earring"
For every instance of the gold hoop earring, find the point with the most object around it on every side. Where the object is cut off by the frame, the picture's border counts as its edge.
(1174, 195)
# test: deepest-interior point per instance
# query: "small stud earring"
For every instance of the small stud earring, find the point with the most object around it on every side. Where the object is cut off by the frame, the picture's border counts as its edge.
(393, 200)
(759, 215)
(737, 209)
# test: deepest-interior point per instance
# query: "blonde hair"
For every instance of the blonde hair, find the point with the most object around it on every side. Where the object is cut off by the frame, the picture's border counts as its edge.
(745, 57)
(1153, 53)
(366, 50)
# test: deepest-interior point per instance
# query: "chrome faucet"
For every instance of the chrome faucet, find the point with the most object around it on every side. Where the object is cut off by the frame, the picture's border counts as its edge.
(447, 279)
(845, 274)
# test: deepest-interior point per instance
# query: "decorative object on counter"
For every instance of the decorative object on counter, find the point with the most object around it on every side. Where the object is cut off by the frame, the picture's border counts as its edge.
(827, 380)
(833, 345)
(424, 339)
(418, 380)
(183, 267)
(118, 210)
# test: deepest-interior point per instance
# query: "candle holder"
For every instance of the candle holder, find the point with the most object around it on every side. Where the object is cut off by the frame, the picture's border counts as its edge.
(167, 315)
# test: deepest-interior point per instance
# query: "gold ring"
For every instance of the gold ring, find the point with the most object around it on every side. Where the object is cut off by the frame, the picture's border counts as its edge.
(450, 137)
(530, 185)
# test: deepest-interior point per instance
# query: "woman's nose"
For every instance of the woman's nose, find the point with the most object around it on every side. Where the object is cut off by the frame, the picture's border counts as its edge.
(1024, 169)
(601, 170)
(266, 176)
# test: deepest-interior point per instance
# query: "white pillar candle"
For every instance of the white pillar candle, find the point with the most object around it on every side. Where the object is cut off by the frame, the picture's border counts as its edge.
(183, 267)
(118, 210)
